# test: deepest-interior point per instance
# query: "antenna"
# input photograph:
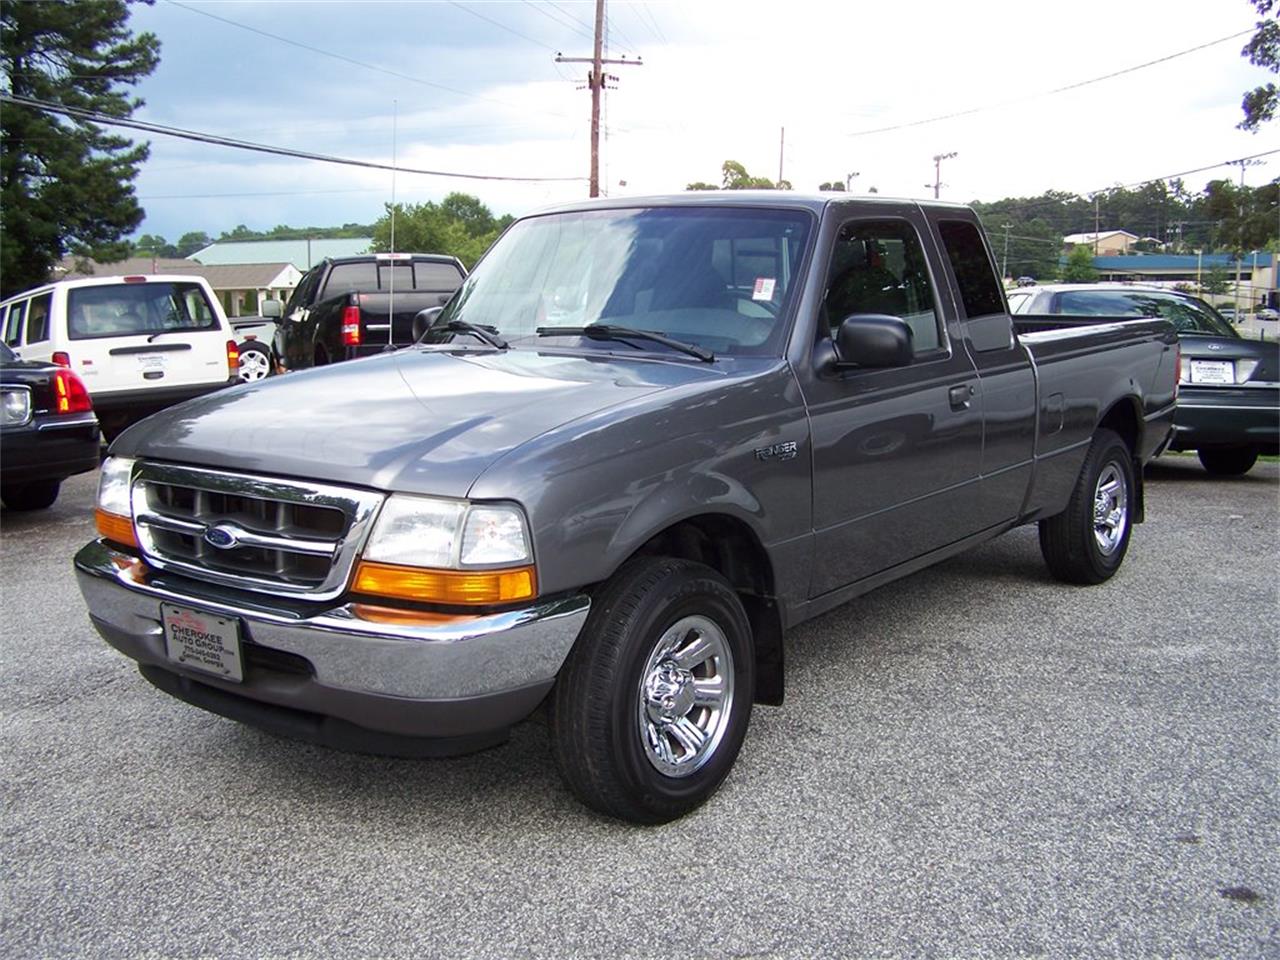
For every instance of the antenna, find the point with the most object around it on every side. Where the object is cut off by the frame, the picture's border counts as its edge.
(391, 287)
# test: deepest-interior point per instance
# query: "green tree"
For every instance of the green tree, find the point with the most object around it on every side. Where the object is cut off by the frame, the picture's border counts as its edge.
(836, 186)
(734, 176)
(189, 243)
(1216, 281)
(66, 186)
(460, 226)
(154, 245)
(1263, 50)
(1079, 267)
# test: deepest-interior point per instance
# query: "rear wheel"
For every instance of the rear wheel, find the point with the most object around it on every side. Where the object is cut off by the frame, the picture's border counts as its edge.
(651, 707)
(37, 495)
(1086, 543)
(255, 362)
(1228, 461)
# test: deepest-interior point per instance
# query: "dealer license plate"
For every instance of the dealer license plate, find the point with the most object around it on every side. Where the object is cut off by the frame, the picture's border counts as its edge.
(153, 361)
(203, 641)
(1213, 371)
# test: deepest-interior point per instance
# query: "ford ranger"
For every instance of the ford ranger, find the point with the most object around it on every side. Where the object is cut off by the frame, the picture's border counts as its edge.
(642, 441)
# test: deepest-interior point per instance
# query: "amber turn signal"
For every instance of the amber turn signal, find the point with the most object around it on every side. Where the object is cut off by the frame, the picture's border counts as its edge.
(470, 587)
(114, 528)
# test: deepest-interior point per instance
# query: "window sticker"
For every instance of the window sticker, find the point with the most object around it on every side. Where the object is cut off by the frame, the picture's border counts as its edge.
(764, 288)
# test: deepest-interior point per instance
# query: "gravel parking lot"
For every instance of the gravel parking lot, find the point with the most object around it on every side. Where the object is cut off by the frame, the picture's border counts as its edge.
(975, 761)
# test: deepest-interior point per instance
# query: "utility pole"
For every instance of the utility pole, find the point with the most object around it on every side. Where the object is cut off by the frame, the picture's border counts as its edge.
(1004, 266)
(595, 83)
(937, 172)
(782, 142)
(1243, 165)
(1096, 226)
(848, 180)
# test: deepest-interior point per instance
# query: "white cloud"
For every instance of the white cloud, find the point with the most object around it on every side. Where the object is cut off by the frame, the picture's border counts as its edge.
(731, 75)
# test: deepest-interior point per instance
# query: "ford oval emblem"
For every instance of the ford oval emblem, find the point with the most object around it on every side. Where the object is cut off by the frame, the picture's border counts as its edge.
(223, 537)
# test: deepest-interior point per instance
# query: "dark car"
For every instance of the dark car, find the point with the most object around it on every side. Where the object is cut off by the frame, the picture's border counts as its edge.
(48, 431)
(1229, 386)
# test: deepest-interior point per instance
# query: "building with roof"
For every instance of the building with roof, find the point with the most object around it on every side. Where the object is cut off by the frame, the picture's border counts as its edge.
(1252, 277)
(303, 254)
(1104, 243)
(241, 287)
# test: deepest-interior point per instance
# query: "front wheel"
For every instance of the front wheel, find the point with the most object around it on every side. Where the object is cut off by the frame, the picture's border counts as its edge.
(652, 705)
(1086, 543)
(36, 495)
(1228, 461)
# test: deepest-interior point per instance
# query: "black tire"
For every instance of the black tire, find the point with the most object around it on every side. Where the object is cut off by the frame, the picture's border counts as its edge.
(1071, 542)
(1228, 461)
(261, 361)
(36, 495)
(602, 746)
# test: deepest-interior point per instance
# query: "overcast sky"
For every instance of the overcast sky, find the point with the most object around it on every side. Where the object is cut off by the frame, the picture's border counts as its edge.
(720, 80)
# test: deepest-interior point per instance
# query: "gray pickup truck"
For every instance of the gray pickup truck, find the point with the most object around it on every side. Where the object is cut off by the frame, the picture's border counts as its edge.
(642, 441)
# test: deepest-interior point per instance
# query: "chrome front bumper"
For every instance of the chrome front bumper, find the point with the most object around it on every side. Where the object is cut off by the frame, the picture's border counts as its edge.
(391, 670)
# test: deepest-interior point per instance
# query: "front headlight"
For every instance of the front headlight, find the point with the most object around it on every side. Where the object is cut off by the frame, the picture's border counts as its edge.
(114, 513)
(448, 551)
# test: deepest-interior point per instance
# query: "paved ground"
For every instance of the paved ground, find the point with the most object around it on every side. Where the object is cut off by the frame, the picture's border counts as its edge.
(973, 762)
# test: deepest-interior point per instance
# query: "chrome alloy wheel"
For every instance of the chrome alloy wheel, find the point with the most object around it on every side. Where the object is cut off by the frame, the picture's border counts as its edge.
(686, 693)
(254, 365)
(1110, 509)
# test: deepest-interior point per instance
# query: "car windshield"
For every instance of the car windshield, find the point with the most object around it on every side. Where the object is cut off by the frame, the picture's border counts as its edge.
(1187, 314)
(718, 278)
(131, 308)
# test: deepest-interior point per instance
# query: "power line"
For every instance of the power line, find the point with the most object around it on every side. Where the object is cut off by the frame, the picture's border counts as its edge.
(1055, 90)
(574, 26)
(501, 26)
(643, 8)
(95, 117)
(354, 62)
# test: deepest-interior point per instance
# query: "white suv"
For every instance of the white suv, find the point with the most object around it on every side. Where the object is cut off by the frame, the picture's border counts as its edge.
(139, 343)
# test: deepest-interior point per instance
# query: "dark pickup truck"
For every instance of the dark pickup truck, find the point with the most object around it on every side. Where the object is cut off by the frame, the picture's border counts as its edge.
(350, 307)
(645, 439)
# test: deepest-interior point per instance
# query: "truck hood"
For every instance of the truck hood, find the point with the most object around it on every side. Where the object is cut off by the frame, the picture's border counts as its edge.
(423, 420)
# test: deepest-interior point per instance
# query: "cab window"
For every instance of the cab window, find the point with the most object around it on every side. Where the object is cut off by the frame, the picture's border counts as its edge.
(878, 266)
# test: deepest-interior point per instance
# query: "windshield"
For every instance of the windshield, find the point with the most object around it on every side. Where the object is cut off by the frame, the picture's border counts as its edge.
(129, 309)
(1187, 314)
(718, 278)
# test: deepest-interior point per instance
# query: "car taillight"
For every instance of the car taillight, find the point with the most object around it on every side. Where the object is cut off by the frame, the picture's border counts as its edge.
(69, 394)
(61, 358)
(351, 326)
(233, 359)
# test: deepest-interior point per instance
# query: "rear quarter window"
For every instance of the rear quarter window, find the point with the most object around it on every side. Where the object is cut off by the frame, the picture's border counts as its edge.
(13, 323)
(38, 318)
(972, 268)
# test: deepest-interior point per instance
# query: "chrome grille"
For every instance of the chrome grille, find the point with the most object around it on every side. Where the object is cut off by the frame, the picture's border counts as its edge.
(256, 533)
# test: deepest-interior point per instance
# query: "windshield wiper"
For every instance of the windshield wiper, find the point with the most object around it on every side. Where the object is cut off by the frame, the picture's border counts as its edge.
(481, 332)
(608, 331)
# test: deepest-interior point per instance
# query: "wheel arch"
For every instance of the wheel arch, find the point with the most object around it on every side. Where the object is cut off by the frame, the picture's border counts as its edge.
(729, 545)
(1124, 417)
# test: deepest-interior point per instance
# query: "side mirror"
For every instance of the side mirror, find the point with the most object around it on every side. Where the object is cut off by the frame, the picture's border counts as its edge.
(422, 320)
(873, 340)
(271, 308)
